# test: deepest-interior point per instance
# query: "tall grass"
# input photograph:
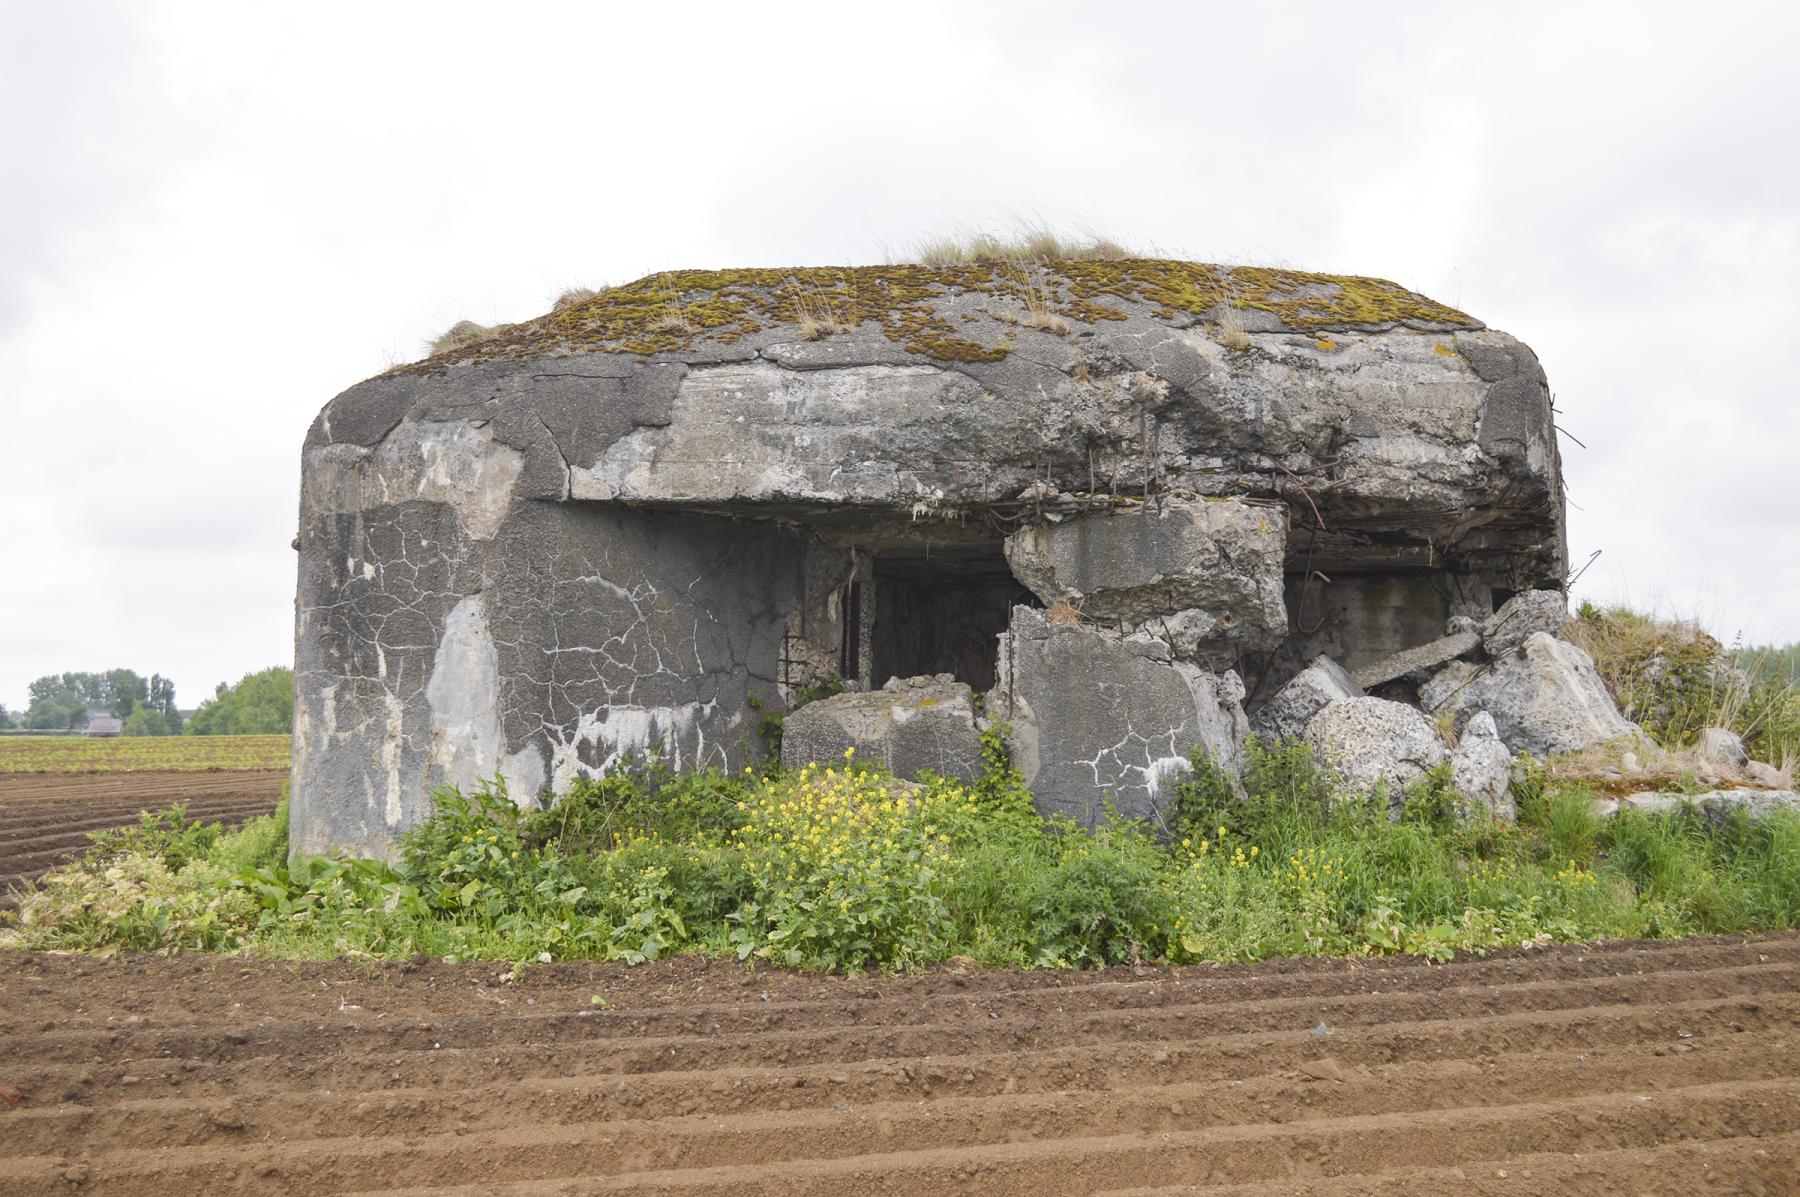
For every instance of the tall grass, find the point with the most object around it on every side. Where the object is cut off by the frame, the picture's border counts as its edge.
(1030, 245)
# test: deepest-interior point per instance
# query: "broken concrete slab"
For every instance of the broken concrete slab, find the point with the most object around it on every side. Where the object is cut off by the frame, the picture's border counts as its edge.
(1521, 617)
(1713, 804)
(1723, 749)
(915, 726)
(1285, 716)
(1765, 774)
(1546, 698)
(1094, 716)
(1416, 663)
(1375, 746)
(1481, 769)
(1212, 566)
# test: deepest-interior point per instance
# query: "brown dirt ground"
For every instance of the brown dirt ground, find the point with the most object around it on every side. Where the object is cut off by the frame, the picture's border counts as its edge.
(45, 817)
(1628, 1068)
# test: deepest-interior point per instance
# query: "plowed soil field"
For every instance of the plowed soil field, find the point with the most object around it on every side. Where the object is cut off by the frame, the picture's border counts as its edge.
(45, 817)
(1671, 1067)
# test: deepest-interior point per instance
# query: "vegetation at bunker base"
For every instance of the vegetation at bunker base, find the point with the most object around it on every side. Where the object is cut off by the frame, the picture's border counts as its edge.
(843, 868)
(1674, 679)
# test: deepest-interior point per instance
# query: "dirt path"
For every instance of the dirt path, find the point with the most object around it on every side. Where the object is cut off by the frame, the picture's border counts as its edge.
(44, 817)
(1624, 1069)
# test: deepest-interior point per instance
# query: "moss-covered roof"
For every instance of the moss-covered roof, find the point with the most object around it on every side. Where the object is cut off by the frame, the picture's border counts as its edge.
(914, 306)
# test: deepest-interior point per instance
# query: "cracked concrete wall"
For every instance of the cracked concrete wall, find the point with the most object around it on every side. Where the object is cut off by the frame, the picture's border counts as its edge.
(1093, 714)
(450, 628)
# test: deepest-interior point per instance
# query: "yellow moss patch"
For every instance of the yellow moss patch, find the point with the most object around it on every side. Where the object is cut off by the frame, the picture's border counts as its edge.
(674, 311)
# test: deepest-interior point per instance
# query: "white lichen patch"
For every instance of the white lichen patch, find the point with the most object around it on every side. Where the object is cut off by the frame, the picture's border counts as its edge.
(467, 741)
(617, 733)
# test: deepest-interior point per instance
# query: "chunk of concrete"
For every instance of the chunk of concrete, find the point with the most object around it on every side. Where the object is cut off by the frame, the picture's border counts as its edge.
(1217, 564)
(1765, 775)
(1372, 744)
(1722, 748)
(1521, 617)
(1419, 661)
(1285, 716)
(923, 724)
(1547, 698)
(1481, 769)
(1713, 804)
(1094, 714)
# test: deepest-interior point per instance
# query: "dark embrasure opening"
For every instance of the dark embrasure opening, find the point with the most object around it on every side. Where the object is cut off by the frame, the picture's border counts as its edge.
(942, 612)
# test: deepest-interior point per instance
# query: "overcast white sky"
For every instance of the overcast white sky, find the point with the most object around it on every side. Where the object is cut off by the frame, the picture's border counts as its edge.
(217, 216)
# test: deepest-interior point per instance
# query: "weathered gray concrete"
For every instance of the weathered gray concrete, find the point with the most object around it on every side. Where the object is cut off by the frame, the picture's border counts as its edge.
(1419, 661)
(578, 637)
(1375, 746)
(1481, 769)
(1358, 619)
(1094, 715)
(1713, 804)
(1722, 748)
(1320, 684)
(1206, 575)
(909, 727)
(1521, 617)
(1545, 698)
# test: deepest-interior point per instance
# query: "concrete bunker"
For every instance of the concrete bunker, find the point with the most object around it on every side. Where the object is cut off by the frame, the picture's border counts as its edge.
(1062, 497)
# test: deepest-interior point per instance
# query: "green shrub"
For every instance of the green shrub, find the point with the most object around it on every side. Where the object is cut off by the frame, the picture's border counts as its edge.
(1208, 796)
(133, 900)
(844, 872)
(1000, 791)
(165, 834)
(1101, 900)
(1571, 826)
(1432, 800)
(260, 843)
(639, 796)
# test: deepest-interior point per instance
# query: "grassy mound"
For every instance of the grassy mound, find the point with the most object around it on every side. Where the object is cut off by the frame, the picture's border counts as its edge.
(1674, 679)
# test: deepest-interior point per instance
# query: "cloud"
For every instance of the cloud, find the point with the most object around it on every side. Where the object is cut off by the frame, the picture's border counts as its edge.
(220, 216)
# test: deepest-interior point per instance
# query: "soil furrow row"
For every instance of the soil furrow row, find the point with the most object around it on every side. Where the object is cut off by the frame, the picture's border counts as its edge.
(1022, 1162)
(1150, 1097)
(733, 1084)
(1614, 1069)
(579, 1036)
(1739, 1164)
(54, 818)
(1253, 1152)
(414, 992)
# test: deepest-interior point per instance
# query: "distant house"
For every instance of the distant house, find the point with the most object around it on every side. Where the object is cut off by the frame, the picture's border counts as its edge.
(104, 723)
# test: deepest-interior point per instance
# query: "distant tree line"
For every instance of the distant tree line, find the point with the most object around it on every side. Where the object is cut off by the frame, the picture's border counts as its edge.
(260, 703)
(1773, 662)
(146, 706)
